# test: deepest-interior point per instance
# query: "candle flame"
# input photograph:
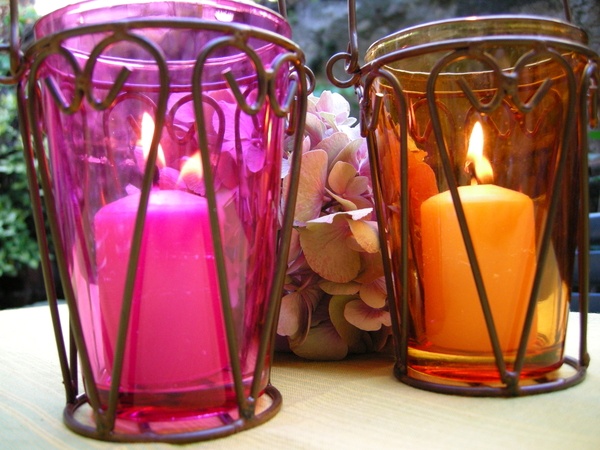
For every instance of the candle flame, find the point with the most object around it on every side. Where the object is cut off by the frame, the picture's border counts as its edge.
(192, 174)
(478, 164)
(146, 141)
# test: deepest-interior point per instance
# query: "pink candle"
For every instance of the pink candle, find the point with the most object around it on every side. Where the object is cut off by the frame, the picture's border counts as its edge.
(176, 335)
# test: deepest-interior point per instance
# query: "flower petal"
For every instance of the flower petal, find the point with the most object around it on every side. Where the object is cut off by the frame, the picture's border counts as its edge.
(372, 268)
(340, 176)
(254, 156)
(360, 201)
(313, 174)
(347, 205)
(295, 248)
(329, 120)
(364, 317)
(353, 215)
(374, 293)
(296, 315)
(334, 103)
(366, 234)
(333, 145)
(227, 171)
(326, 251)
(293, 312)
(322, 343)
(348, 332)
(350, 153)
(331, 288)
(314, 128)
(357, 186)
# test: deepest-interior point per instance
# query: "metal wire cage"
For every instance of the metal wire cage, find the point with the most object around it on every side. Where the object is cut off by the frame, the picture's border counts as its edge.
(156, 132)
(479, 293)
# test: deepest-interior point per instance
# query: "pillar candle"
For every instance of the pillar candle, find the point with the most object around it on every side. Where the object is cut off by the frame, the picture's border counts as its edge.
(176, 335)
(501, 224)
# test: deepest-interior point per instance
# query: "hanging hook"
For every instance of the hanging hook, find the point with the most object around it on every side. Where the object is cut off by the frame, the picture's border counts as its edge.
(13, 45)
(282, 8)
(567, 9)
(351, 67)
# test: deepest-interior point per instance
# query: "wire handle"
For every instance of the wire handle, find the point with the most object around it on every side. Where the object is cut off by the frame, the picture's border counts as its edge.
(567, 9)
(283, 9)
(12, 47)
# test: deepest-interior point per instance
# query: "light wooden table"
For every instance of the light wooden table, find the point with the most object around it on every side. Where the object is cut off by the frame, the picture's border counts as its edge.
(352, 404)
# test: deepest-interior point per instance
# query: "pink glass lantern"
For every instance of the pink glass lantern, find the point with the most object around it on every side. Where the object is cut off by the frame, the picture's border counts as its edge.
(158, 131)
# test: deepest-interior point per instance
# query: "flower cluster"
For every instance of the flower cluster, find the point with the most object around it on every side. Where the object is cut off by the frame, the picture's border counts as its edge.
(335, 294)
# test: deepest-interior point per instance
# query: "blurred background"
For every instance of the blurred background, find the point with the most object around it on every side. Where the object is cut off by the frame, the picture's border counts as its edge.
(320, 27)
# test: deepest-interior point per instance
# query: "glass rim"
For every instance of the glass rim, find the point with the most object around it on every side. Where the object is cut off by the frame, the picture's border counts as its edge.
(280, 27)
(273, 32)
(483, 25)
(84, 6)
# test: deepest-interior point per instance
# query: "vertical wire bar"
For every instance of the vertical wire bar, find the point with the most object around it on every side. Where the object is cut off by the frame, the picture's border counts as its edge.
(405, 319)
(584, 247)
(44, 249)
(14, 48)
(570, 123)
(352, 66)
(567, 10)
(73, 357)
(462, 220)
(370, 116)
(138, 232)
(301, 105)
(404, 216)
(52, 214)
(584, 237)
(281, 4)
(232, 347)
(350, 57)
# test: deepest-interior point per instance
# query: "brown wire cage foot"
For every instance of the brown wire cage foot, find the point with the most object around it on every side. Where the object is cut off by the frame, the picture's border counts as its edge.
(79, 418)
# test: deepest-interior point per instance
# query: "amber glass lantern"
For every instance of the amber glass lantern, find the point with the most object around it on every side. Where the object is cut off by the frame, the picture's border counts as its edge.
(156, 131)
(477, 135)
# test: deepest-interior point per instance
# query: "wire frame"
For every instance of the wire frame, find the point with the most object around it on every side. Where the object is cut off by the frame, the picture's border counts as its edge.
(88, 413)
(390, 109)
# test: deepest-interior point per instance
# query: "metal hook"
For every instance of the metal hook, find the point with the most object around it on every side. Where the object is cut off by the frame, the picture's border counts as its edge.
(282, 8)
(14, 36)
(351, 67)
(12, 48)
(567, 9)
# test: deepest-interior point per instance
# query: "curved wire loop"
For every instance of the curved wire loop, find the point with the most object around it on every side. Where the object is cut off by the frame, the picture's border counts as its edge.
(349, 57)
(262, 403)
(12, 47)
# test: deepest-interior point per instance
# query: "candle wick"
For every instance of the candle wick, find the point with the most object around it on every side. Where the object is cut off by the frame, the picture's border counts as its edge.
(484, 177)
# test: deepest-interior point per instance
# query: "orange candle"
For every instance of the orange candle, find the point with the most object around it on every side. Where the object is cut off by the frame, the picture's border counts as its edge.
(501, 225)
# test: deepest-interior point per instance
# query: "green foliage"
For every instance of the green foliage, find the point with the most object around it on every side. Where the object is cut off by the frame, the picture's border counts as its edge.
(18, 247)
